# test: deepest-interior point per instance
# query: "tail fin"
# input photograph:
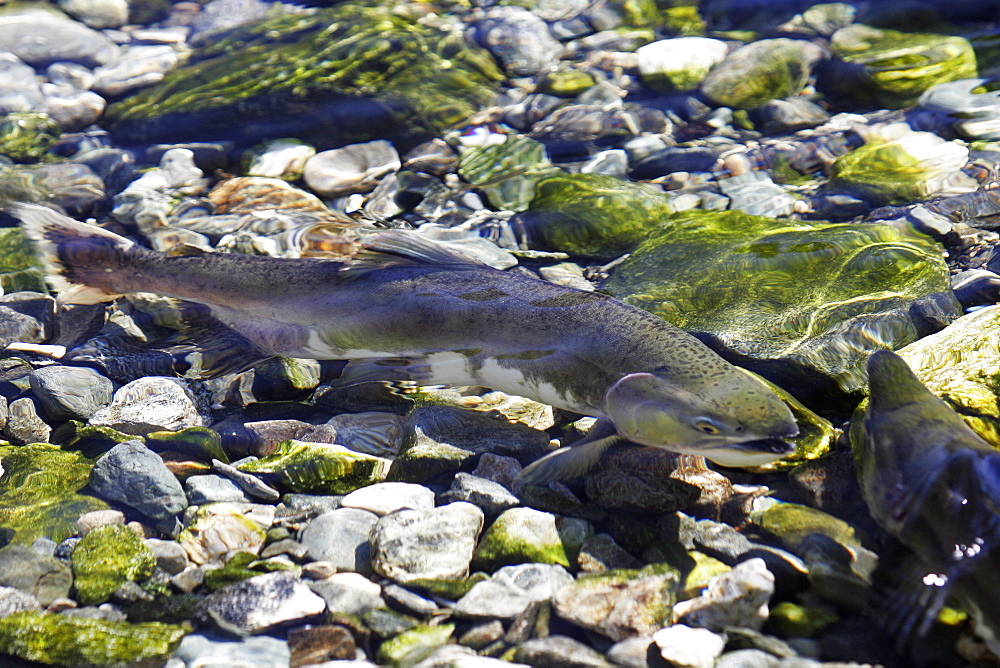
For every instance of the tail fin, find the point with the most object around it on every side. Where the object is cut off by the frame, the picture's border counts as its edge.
(80, 260)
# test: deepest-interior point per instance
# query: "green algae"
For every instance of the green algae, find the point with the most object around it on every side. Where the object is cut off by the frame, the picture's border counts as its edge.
(891, 69)
(74, 641)
(565, 82)
(105, 559)
(592, 215)
(525, 535)
(791, 620)
(360, 70)
(816, 295)
(448, 588)
(19, 268)
(424, 461)
(39, 492)
(507, 173)
(760, 72)
(199, 443)
(684, 21)
(91, 440)
(25, 136)
(413, 646)
(791, 523)
(317, 468)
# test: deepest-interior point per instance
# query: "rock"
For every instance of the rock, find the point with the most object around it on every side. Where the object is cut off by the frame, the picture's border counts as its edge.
(559, 651)
(153, 404)
(601, 553)
(170, 555)
(280, 158)
(507, 172)
(383, 498)
(790, 620)
(492, 497)
(736, 598)
(43, 578)
(761, 71)
(70, 392)
(23, 423)
(14, 600)
(138, 67)
(621, 604)
(19, 89)
(352, 169)
(413, 544)
(518, 39)
(370, 433)
(40, 37)
(892, 69)
(147, 200)
(318, 644)
(65, 640)
(689, 647)
(134, 475)
(39, 492)
(962, 105)
(250, 484)
(71, 109)
(202, 489)
(911, 166)
(756, 194)
(261, 603)
(474, 432)
(250, 651)
(791, 523)
(525, 535)
(383, 94)
(217, 531)
(790, 115)
(25, 136)
(341, 538)
(349, 593)
(411, 647)
(319, 468)
(106, 559)
(97, 13)
(87, 522)
(679, 64)
(511, 590)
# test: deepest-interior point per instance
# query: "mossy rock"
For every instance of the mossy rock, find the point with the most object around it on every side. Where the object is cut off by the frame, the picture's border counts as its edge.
(317, 468)
(592, 215)
(450, 589)
(507, 173)
(105, 559)
(39, 492)
(565, 82)
(413, 646)
(791, 620)
(91, 440)
(815, 297)
(360, 70)
(425, 461)
(19, 268)
(525, 535)
(25, 136)
(199, 443)
(791, 523)
(891, 69)
(760, 72)
(75, 641)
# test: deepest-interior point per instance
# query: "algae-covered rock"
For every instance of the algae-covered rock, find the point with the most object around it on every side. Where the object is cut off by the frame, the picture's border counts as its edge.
(507, 173)
(75, 641)
(812, 294)
(317, 468)
(791, 620)
(360, 70)
(679, 64)
(39, 492)
(19, 270)
(898, 166)
(411, 647)
(522, 535)
(791, 523)
(961, 364)
(888, 68)
(424, 461)
(25, 136)
(592, 215)
(105, 559)
(762, 71)
(218, 531)
(199, 443)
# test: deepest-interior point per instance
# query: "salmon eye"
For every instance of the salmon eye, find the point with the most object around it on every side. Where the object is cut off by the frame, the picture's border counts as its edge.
(706, 426)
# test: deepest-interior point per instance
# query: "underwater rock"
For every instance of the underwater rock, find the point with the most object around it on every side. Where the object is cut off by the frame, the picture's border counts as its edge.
(41, 37)
(280, 158)
(23, 423)
(510, 591)
(556, 650)
(155, 403)
(340, 75)
(507, 173)
(349, 593)
(70, 392)
(341, 537)
(217, 531)
(688, 647)
(97, 14)
(385, 497)
(891, 69)
(473, 431)
(680, 63)
(74, 641)
(134, 475)
(411, 647)
(524, 535)
(18, 267)
(970, 114)
(491, 497)
(248, 651)
(753, 285)
(351, 169)
(738, 597)
(317, 468)
(19, 89)
(761, 71)
(138, 67)
(39, 492)
(518, 39)
(26, 136)
(416, 544)
(261, 603)
(43, 577)
(790, 115)
(107, 558)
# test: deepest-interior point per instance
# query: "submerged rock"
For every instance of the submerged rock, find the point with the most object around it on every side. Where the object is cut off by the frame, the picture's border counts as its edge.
(416, 544)
(134, 475)
(261, 603)
(106, 559)
(760, 72)
(679, 64)
(319, 468)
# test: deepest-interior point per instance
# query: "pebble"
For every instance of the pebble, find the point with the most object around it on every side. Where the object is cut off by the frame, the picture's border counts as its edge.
(40, 38)
(415, 544)
(132, 474)
(735, 598)
(202, 489)
(14, 600)
(152, 404)
(250, 484)
(491, 497)
(97, 14)
(341, 538)
(216, 531)
(43, 577)
(24, 425)
(518, 39)
(98, 518)
(511, 590)
(70, 393)
(688, 647)
(19, 88)
(137, 67)
(559, 651)
(170, 555)
(352, 169)
(208, 648)
(259, 604)
(349, 593)
(681, 63)
(386, 497)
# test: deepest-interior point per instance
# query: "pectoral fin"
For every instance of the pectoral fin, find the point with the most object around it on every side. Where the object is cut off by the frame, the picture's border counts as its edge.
(572, 461)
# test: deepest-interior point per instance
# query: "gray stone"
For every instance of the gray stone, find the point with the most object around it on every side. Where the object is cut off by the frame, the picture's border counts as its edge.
(350, 593)
(341, 537)
(449, 656)
(688, 647)
(680, 63)
(755, 193)
(97, 13)
(474, 432)
(518, 39)
(351, 169)
(213, 533)
(249, 483)
(170, 555)
(132, 474)
(401, 597)
(40, 37)
(155, 403)
(559, 651)
(736, 598)
(203, 489)
(260, 603)
(189, 579)
(747, 658)
(69, 392)
(631, 652)
(499, 469)
(791, 115)
(492, 497)
(208, 649)
(601, 553)
(98, 518)
(23, 423)
(385, 497)
(14, 600)
(437, 543)
(138, 67)
(511, 590)
(45, 578)
(19, 87)
(287, 546)
(72, 109)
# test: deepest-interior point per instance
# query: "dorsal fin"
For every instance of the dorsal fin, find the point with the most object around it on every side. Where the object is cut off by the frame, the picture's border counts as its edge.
(414, 247)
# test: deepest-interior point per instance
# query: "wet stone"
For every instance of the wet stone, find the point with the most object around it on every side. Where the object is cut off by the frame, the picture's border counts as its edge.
(384, 498)
(679, 64)
(68, 393)
(44, 578)
(170, 555)
(559, 651)
(400, 597)
(87, 522)
(40, 37)
(601, 553)
(106, 559)
(341, 538)
(439, 543)
(511, 590)
(134, 475)
(97, 14)
(215, 532)
(518, 39)
(689, 647)
(261, 603)
(522, 535)
(317, 644)
(23, 423)
(249, 651)
(474, 432)
(349, 593)
(14, 600)
(19, 89)
(138, 67)
(152, 404)
(492, 497)
(352, 169)
(761, 71)
(736, 598)
(202, 489)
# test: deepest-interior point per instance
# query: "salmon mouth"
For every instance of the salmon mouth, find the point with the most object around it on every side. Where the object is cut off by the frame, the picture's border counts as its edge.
(771, 446)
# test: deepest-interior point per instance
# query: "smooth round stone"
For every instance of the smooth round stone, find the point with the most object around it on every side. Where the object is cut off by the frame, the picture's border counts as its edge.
(98, 518)
(631, 652)
(40, 37)
(72, 109)
(681, 63)
(371, 432)
(972, 115)
(559, 651)
(349, 593)
(385, 497)
(97, 13)
(791, 115)
(14, 600)
(761, 71)
(260, 603)
(281, 158)
(351, 169)
(138, 67)
(155, 403)
(511, 590)
(521, 535)
(437, 543)
(132, 474)
(688, 647)
(19, 87)
(45, 578)
(70, 75)
(518, 39)
(202, 489)
(341, 537)
(170, 555)
(251, 651)
(70, 393)
(736, 598)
